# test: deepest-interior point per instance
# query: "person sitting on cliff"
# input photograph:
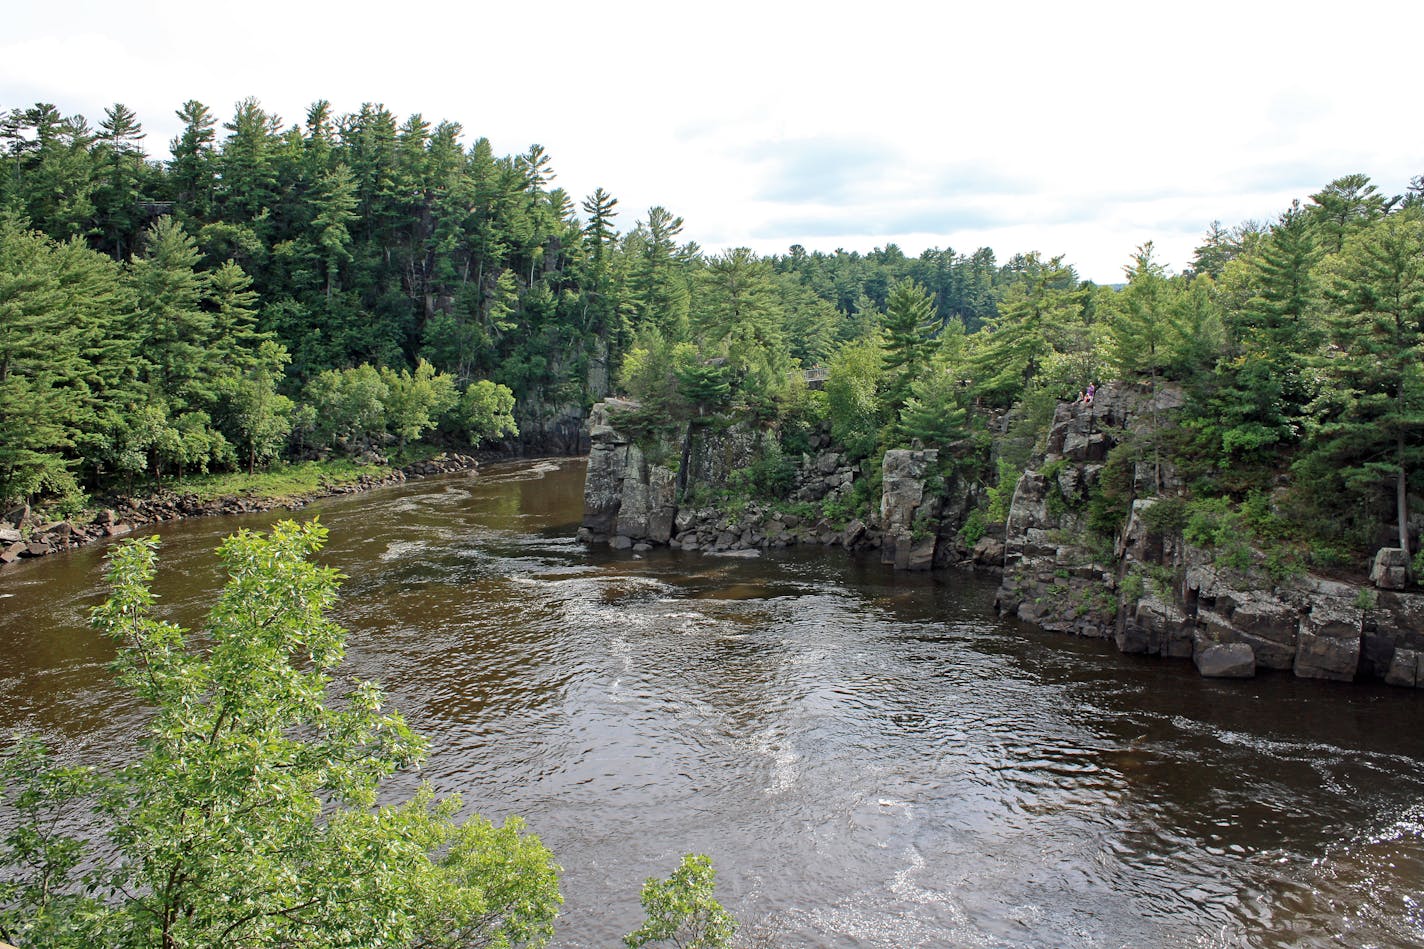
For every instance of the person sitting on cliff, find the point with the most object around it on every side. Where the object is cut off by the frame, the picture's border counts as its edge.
(1088, 395)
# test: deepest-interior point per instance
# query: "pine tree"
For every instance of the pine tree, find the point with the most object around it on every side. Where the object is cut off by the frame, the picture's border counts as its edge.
(1372, 412)
(910, 319)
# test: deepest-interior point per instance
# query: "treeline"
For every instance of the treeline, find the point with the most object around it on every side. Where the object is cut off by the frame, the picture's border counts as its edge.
(356, 280)
(1298, 345)
(170, 316)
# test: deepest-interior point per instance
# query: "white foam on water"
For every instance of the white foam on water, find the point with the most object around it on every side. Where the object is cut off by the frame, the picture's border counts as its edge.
(398, 549)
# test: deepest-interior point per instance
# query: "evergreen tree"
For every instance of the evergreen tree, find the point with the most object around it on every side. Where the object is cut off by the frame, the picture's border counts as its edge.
(910, 319)
(1345, 205)
(1372, 410)
(1039, 314)
(192, 170)
(121, 172)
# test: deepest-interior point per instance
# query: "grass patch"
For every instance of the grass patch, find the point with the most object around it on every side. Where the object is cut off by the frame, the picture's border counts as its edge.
(278, 483)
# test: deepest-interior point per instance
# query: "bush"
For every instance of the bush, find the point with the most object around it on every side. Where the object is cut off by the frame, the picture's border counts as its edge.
(973, 529)
(683, 909)
(248, 814)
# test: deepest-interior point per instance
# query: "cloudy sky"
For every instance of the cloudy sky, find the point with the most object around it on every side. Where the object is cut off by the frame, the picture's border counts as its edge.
(1081, 129)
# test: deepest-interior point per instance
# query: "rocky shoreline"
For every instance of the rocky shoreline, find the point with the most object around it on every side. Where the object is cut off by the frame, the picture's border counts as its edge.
(1147, 590)
(22, 537)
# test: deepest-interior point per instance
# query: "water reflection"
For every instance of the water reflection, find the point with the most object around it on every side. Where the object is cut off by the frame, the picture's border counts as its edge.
(871, 759)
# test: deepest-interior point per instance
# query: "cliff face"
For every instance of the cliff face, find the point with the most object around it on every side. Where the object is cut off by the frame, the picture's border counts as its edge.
(630, 502)
(1143, 586)
(1153, 593)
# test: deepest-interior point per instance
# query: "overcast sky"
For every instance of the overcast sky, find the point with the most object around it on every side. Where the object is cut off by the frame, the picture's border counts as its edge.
(1081, 129)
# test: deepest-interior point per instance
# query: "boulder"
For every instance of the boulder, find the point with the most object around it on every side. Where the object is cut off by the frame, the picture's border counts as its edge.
(989, 551)
(1327, 657)
(1391, 568)
(1406, 669)
(1226, 661)
(1157, 628)
(1329, 641)
(904, 509)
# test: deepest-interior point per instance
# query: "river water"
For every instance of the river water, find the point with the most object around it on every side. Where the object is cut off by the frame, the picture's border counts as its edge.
(871, 759)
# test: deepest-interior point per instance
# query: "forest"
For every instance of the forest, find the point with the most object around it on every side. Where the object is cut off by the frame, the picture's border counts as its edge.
(355, 284)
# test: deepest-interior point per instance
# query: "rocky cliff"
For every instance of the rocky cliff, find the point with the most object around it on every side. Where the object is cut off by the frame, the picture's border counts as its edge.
(1151, 592)
(631, 502)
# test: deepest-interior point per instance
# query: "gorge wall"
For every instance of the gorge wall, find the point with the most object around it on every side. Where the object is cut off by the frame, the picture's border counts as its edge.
(1152, 592)
(631, 501)
(1138, 583)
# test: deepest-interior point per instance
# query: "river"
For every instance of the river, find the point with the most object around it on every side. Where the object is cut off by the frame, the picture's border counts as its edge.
(871, 759)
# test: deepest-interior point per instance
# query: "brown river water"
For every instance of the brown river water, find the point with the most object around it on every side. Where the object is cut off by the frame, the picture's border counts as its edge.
(871, 759)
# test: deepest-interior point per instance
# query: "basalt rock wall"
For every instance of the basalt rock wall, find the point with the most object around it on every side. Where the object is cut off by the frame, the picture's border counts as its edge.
(1152, 593)
(630, 502)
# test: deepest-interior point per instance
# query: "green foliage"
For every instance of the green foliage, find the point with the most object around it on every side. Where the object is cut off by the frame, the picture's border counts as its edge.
(974, 527)
(1039, 315)
(771, 475)
(486, 412)
(130, 338)
(249, 816)
(415, 402)
(350, 405)
(853, 397)
(683, 910)
(1112, 496)
(1166, 516)
(1001, 494)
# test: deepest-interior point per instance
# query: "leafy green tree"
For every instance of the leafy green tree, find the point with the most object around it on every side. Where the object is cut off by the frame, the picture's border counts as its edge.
(486, 412)
(1256, 402)
(56, 174)
(247, 173)
(63, 357)
(936, 410)
(121, 173)
(1140, 333)
(683, 909)
(415, 402)
(738, 318)
(658, 282)
(334, 202)
(854, 396)
(258, 417)
(350, 405)
(174, 327)
(249, 817)
(192, 172)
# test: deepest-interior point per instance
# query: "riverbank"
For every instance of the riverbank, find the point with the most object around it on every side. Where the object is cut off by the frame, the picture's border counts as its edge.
(25, 535)
(1099, 539)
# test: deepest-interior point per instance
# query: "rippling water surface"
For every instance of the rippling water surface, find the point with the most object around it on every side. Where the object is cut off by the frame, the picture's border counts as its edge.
(871, 760)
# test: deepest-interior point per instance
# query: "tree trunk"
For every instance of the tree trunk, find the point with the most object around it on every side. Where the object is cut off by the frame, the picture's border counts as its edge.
(685, 463)
(1401, 485)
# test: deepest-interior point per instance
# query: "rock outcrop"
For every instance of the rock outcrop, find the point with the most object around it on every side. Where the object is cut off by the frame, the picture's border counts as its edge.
(909, 515)
(630, 501)
(1153, 593)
